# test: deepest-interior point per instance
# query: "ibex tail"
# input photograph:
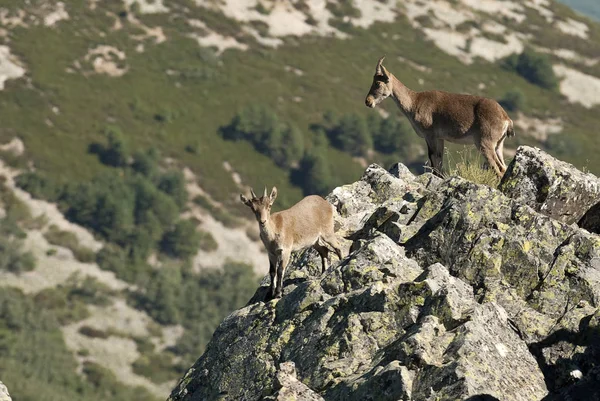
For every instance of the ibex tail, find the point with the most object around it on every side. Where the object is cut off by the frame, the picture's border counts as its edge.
(510, 130)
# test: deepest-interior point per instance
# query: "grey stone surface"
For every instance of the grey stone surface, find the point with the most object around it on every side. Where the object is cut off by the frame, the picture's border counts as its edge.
(4, 396)
(452, 290)
(550, 186)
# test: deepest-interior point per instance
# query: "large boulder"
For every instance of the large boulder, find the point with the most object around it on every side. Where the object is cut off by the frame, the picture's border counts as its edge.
(372, 328)
(4, 396)
(452, 290)
(290, 388)
(512, 255)
(550, 186)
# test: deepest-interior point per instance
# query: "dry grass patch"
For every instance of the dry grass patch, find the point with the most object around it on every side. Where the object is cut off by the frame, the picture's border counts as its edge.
(471, 166)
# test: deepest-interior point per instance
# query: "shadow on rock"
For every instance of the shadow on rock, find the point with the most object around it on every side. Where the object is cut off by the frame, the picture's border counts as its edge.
(482, 397)
(570, 361)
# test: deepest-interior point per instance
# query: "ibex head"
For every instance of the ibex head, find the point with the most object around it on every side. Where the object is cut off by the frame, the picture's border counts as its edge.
(260, 206)
(381, 87)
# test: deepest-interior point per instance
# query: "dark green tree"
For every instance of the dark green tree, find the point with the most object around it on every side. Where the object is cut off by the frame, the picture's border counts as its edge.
(105, 204)
(534, 67)
(172, 183)
(12, 256)
(391, 135)
(513, 100)
(315, 174)
(261, 126)
(182, 241)
(116, 152)
(146, 163)
(352, 135)
(161, 295)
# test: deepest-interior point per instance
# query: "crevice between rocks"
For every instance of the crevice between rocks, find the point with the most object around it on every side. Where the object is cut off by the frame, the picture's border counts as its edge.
(590, 221)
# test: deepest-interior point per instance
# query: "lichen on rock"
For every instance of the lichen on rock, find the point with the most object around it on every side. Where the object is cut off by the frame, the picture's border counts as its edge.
(550, 186)
(4, 396)
(451, 290)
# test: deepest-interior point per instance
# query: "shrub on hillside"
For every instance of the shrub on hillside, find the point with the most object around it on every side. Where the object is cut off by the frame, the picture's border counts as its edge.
(104, 204)
(207, 242)
(205, 299)
(182, 241)
(351, 134)
(146, 163)
(33, 350)
(219, 213)
(158, 367)
(314, 174)
(67, 239)
(160, 295)
(39, 186)
(259, 125)
(534, 67)
(172, 183)
(13, 258)
(391, 135)
(126, 263)
(116, 153)
(513, 100)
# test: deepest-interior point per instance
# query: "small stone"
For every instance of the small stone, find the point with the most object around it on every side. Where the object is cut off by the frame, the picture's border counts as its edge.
(576, 374)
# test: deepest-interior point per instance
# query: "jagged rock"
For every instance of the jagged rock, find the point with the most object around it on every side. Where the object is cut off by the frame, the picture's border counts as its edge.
(451, 290)
(399, 170)
(587, 389)
(484, 356)
(550, 186)
(4, 396)
(357, 201)
(591, 219)
(289, 388)
(527, 262)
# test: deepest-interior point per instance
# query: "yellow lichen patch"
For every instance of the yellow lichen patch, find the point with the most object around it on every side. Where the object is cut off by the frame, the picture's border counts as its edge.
(526, 246)
(502, 227)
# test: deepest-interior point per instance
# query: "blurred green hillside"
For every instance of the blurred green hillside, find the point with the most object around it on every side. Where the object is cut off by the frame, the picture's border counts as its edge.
(143, 121)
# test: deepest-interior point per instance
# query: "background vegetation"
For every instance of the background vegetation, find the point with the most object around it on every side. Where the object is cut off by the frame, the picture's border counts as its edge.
(99, 147)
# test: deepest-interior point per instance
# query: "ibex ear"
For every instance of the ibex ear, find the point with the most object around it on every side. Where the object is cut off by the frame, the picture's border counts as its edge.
(385, 74)
(245, 200)
(273, 195)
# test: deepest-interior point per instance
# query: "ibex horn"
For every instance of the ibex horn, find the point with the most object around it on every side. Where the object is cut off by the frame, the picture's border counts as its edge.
(265, 193)
(252, 193)
(379, 65)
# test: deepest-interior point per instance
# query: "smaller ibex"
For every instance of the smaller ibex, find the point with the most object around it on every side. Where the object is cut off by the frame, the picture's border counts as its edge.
(309, 223)
(438, 116)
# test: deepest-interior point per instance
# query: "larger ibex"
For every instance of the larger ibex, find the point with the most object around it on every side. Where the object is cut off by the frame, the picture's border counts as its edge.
(309, 223)
(441, 116)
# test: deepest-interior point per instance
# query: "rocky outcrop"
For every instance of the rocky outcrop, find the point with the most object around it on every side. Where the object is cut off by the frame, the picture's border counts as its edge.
(452, 290)
(4, 396)
(290, 388)
(550, 186)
